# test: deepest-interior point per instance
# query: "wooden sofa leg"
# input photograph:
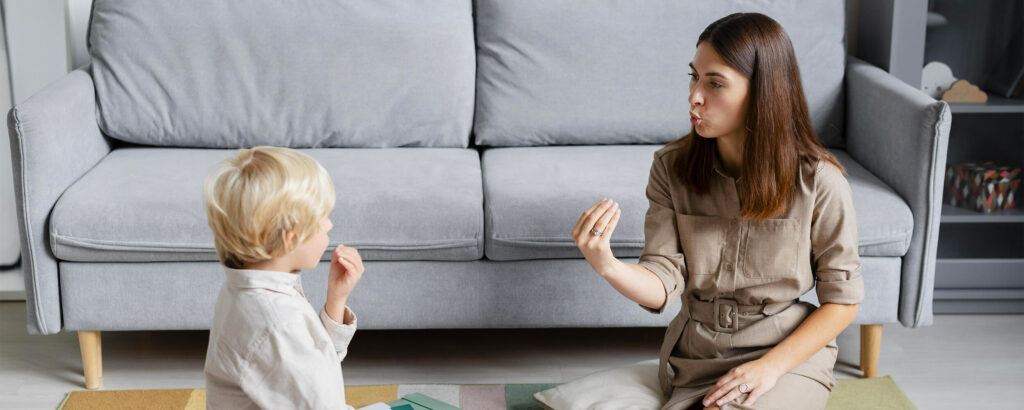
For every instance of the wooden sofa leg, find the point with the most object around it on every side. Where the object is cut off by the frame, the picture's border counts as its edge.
(92, 357)
(870, 345)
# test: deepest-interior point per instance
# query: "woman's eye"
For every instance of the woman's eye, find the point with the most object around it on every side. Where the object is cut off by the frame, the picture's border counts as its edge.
(716, 84)
(693, 77)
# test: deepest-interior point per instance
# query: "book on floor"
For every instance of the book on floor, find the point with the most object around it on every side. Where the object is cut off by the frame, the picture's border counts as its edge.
(419, 401)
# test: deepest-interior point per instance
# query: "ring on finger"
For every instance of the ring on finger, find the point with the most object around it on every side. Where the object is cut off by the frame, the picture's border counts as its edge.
(744, 388)
(595, 231)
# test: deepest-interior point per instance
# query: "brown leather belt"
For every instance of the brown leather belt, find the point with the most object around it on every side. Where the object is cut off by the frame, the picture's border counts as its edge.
(728, 316)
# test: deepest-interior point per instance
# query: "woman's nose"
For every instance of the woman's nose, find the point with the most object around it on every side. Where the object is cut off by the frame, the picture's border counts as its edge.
(695, 97)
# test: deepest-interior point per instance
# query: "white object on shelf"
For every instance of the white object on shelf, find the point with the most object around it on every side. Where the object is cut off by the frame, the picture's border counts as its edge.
(936, 19)
(936, 78)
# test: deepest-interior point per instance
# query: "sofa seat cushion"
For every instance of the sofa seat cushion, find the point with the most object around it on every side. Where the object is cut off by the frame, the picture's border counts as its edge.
(146, 204)
(884, 221)
(533, 196)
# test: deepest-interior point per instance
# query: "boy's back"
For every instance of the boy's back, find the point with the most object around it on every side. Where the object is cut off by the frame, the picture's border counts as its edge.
(268, 348)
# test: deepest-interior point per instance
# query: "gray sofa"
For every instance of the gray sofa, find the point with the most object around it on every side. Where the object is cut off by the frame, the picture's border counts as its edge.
(464, 137)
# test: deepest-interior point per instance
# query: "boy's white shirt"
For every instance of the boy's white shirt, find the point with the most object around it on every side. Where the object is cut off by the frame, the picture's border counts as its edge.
(269, 349)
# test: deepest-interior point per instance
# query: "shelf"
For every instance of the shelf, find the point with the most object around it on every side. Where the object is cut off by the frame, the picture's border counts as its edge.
(983, 301)
(952, 214)
(968, 273)
(977, 307)
(979, 294)
(995, 104)
(980, 264)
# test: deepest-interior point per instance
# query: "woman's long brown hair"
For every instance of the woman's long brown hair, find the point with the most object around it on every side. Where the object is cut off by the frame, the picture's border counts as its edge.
(779, 133)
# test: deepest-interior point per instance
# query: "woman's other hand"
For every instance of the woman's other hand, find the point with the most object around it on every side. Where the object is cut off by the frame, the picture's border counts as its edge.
(755, 377)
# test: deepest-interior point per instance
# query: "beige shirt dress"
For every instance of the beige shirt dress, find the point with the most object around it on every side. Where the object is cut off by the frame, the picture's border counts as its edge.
(739, 279)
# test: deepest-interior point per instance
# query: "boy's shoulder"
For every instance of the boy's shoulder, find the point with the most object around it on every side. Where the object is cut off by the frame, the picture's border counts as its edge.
(250, 315)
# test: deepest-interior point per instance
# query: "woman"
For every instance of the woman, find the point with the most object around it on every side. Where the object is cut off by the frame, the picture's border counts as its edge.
(747, 213)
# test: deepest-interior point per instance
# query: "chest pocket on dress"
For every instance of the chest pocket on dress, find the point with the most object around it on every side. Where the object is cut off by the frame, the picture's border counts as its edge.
(701, 238)
(771, 248)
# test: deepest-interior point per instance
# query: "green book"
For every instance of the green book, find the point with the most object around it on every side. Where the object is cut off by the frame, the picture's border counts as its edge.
(418, 401)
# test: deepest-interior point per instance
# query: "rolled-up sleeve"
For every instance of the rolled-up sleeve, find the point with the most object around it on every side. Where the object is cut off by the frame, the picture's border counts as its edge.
(662, 254)
(837, 268)
(340, 334)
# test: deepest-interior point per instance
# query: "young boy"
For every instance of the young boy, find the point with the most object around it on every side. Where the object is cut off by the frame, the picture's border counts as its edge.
(268, 211)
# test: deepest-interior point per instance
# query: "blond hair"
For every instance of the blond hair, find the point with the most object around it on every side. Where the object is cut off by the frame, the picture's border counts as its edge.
(254, 198)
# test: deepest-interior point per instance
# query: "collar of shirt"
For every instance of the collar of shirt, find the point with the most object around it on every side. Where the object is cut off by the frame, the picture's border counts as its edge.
(281, 282)
(720, 169)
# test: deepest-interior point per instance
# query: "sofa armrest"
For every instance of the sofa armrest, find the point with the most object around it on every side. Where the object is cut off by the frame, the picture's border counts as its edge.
(54, 141)
(901, 135)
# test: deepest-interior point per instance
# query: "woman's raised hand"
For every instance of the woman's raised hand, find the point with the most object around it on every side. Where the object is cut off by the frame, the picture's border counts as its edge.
(593, 232)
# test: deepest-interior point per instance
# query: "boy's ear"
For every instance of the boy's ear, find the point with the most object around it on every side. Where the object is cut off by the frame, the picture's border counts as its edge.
(289, 241)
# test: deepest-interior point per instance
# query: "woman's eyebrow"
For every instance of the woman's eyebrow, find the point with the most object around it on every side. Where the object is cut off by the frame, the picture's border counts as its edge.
(711, 74)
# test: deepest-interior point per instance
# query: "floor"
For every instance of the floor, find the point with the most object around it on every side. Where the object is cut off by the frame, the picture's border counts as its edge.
(963, 361)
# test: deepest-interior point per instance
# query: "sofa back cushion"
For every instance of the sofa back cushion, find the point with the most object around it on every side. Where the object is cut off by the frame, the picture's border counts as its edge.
(300, 73)
(615, 72)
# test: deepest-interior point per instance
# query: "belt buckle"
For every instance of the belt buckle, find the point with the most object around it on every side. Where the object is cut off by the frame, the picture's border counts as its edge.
(728, 315)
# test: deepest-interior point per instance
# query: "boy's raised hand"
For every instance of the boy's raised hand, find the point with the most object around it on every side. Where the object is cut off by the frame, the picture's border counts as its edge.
(346, 270)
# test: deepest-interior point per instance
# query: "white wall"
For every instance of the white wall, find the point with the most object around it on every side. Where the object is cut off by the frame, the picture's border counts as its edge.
(8, 220)
(37, 44)
(9, 244)
(37, 55)
(78, 12)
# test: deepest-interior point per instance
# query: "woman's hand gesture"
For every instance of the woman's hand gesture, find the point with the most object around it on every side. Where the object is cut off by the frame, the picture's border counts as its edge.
(593, 232)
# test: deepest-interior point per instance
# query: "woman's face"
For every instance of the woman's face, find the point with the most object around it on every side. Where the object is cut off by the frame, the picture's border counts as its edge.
(718, 95)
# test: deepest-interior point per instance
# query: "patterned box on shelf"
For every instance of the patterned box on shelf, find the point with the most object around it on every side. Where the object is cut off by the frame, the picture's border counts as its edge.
(984, 188)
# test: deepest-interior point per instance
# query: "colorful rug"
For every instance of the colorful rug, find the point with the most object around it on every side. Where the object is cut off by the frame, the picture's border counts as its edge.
(880, 393)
